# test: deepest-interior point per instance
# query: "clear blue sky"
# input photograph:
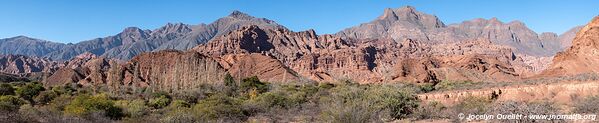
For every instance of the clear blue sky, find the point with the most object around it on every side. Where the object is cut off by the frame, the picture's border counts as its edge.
(77, 20)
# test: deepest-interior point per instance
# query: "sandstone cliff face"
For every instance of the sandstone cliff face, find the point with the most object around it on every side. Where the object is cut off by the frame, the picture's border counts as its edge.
(19, 64)
(582, 56)
(157, 71)
(172, 70)
(266, 68)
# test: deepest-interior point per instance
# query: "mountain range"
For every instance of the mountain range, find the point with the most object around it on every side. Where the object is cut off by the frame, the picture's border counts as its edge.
(396, 24)
(402, 45)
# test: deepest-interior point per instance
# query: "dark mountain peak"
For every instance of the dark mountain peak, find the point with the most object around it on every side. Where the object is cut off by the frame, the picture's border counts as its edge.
(132, 30)
(240, 15)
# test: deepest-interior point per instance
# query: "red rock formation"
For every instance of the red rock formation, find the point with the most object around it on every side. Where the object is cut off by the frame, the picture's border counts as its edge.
(327, 58)
(582, 56)
(19, 64)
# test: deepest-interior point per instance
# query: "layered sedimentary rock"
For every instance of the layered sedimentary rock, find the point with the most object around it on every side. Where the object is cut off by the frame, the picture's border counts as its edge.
(582, 56)
(164, 70)
(20, 64)
(327, 58)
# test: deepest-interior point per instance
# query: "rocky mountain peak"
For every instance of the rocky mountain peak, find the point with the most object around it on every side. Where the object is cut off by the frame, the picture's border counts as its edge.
(240, 15)
(173, 28)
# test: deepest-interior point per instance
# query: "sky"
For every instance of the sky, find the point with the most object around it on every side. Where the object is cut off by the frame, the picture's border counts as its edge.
(71, 21)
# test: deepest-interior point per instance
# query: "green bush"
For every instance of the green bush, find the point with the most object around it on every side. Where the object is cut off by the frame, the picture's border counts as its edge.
(427, 87)
(45, 97)
(179, 104)
(84, 105)
(160, 101)
(180, 115)
(267, 100)
(6, 89)
(10, 103)
(29, 91)
(133, 108)
(450, 85)
(350, 103)
(219, 107)
(253, 83)
(473, 105)
(60, 90)
(398, 103)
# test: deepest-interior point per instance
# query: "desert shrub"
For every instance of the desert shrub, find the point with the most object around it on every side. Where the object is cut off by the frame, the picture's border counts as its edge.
(473, 105)
(219, 107)
(180, 115)
(6, 89)
(179, 104)
(86, 105)
(253, 84)
(160, 100)
(60, 90)
(345, 104)
(265, 101)
(532, 108)
(430, 110)
(133, 108)
(398, 103)
(450, 85)
(60, 102)
(350, 103)
(29, 91)
(587, 105)
(427, 87)
(10, 103)
(45, 97)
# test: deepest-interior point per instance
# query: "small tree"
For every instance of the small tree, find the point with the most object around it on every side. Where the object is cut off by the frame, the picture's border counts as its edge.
(253, 83)
(10, 103)
(6, 89)
(230, 85)
(29, 91)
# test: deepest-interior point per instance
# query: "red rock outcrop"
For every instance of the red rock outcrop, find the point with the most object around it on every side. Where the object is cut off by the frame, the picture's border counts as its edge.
(327, 58)
(20, 64)
(582, 56)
